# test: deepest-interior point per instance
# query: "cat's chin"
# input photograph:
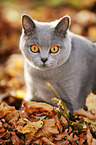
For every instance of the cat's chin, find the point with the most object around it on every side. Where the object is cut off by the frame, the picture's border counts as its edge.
(42, 67)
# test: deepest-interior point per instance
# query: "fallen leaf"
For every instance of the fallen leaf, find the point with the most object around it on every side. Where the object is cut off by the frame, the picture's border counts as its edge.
(60, 128)
(88, 114)
(30, 127)
(47, 141)
(90, 139)
(50, 127)
(38, 105)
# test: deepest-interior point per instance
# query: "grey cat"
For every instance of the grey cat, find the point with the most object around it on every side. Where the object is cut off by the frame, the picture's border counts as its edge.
(53, 54)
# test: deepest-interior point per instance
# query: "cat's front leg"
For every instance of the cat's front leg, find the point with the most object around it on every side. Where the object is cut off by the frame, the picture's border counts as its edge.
(28, 96)
(32, 96)
(30, 93)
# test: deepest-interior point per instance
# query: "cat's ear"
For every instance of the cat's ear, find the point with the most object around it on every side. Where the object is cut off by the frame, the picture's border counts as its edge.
(63, 25)
(28, 24)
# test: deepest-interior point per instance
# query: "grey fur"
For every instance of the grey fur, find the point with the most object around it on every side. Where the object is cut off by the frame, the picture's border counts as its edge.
(71, 71)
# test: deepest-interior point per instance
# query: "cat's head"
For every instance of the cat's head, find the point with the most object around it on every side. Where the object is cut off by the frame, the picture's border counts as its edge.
(45, 45)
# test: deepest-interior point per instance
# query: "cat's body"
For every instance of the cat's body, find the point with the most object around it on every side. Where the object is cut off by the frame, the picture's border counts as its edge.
(71, 70)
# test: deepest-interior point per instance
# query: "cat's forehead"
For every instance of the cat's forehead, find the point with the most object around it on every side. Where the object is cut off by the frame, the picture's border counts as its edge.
(44, 33)
(45, 28)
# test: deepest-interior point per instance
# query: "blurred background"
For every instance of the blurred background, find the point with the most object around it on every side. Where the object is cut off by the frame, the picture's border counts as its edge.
(83, 22)
(82, 13)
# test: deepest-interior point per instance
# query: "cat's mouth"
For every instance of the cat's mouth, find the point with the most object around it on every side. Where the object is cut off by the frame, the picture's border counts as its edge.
(44, 66)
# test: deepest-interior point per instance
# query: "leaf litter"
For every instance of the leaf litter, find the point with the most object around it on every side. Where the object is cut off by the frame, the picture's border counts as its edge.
(23, 127)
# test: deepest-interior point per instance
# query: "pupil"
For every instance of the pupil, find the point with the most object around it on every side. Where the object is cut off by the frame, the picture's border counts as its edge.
(34, 48)
(54, 48)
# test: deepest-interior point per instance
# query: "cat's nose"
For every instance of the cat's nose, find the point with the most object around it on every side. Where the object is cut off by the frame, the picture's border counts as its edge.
(44, 59)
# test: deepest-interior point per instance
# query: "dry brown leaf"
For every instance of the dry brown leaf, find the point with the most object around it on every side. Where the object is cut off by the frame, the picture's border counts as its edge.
(92, 128)
(60, 136)
(38, 142)
(49, 127)
(91, 100)
(2, 130)
(81, 141)
(30, 127)
(47, 141)
(39, 105)
(70, 137)
(23, 114)
(31, 110)
(16, 140)
(12, 115)
(63, 121)
(43, 114)
(39, 133)
(62, 142)
(21, 122)
(5, 109)
(58, 123)
(86, 119)
(90, 139)
(88, 114)
(28, 138)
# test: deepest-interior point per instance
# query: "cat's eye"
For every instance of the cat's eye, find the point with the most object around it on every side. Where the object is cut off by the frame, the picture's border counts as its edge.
(34, 48)
(54, 49)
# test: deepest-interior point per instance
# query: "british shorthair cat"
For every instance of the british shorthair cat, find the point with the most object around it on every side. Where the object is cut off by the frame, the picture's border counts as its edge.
(53, 54)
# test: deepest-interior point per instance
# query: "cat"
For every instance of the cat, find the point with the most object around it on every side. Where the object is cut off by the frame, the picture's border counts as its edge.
(54, 54)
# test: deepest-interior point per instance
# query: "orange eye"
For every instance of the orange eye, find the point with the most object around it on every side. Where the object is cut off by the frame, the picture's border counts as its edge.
(54, 49)
(34, 48)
